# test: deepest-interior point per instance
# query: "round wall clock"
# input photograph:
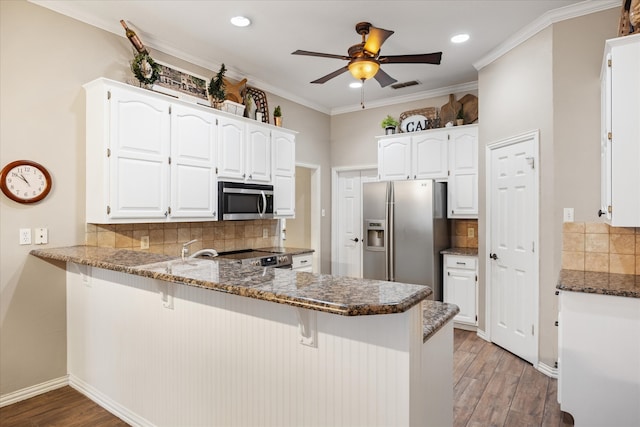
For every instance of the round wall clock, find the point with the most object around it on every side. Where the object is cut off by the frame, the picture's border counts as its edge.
(25, 181)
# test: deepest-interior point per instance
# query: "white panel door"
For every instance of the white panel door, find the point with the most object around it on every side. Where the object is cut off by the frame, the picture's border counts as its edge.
(139, 145)
(193, 179)
(258, 165)
(231, 149)
(394, 158)
(513, 218)
(429, 155)
(349, 225)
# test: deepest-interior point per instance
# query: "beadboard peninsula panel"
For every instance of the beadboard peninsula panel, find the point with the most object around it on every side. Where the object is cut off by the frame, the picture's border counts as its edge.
(168, 354)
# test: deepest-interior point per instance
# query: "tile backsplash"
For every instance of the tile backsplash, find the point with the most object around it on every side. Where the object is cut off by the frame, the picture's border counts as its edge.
(167, 238)
(464, 233)
(600, 247)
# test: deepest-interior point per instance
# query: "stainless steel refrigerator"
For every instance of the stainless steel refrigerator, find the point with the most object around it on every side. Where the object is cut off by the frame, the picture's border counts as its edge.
(405, 228)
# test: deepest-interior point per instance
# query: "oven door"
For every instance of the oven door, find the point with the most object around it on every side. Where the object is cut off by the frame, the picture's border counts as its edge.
(238, 201)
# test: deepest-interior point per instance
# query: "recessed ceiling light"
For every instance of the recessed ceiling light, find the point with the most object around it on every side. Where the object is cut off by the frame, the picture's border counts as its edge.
(460, 38)
(240, 21)
(355, 85)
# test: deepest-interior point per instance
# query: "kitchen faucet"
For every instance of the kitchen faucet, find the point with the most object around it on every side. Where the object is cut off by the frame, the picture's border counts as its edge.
(185, 248)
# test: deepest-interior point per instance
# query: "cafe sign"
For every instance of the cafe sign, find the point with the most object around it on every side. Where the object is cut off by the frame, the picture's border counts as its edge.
(414, 123)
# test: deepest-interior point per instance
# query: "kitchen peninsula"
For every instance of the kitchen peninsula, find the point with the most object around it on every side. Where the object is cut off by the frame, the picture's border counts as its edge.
(162, 341)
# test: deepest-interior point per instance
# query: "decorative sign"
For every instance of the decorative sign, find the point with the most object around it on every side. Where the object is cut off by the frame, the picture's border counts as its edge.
(414, 123)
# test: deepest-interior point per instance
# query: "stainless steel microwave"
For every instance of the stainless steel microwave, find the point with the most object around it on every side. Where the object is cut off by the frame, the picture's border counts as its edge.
(237, 200)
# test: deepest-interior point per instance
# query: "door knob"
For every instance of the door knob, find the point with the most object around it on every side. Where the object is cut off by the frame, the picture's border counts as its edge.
(493, 256)
(355, 240)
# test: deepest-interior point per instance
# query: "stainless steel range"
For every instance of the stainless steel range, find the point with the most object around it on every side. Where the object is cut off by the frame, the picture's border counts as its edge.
(258, 258)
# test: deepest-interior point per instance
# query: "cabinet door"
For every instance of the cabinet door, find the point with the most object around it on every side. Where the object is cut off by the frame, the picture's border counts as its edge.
(463, 173)
(284, 160)
(284, 196)
(284, 181)
(429, 155)
(258, 164)
(394, 158)
(460, 289)
(605, 141)
(138, 162)
(231, 148)
(193, 179)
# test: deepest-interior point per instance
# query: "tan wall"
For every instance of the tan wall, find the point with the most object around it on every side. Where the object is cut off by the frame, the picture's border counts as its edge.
(549, 83)
(45, 58)
(299, 229)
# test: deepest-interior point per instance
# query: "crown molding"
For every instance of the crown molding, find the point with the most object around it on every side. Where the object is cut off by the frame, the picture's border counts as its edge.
(416, 96)
(568, 12)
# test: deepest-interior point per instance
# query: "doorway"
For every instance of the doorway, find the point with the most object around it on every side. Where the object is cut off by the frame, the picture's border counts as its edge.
(346, 259)
(512, 230)
(303, 231)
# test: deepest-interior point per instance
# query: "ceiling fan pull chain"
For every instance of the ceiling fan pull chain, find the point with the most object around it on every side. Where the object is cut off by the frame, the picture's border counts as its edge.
(362, 94)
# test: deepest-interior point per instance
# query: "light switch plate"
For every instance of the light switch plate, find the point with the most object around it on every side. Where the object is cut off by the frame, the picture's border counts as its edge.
(265, 233)
(144, 242)
(471, 232)
(568, 214)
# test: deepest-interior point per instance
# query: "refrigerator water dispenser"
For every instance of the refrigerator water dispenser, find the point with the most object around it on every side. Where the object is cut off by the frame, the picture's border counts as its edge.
(375, 234)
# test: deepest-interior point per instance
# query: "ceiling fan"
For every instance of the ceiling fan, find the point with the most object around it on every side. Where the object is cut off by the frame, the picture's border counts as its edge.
(365, 60)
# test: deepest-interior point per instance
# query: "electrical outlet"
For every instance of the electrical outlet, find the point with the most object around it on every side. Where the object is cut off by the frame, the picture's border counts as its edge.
(144, 242)
(265, 233)
(471, 232)
(568, 214)
(42, 236)
(25, 236)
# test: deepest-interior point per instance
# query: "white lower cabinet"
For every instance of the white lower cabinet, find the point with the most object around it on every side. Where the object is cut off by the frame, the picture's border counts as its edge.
(460, 286)
(599, 359)
(302, 262)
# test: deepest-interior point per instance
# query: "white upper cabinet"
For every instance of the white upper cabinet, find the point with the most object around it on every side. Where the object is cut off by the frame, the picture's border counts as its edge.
(127, 155)
(231, 149)
(449, 154)
(193, 179)
(429, 155)
(620, 137)
(244, 151)
(394, 158)
(258, 163)
(284, 179)
(462, 188)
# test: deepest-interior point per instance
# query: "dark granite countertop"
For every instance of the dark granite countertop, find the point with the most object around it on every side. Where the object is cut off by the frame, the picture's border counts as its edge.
(435, 315)
(338, 295)
(591, 282)
(460, 251)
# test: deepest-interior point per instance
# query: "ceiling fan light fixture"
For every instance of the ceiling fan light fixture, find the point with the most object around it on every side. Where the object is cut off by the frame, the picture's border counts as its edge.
(240, 21)
(363, 68)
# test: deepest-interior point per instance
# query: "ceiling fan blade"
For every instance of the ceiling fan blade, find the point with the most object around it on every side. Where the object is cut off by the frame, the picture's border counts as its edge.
(425, 58)
(331, 75)
(322, 55)
(383, 78)
(376, 37)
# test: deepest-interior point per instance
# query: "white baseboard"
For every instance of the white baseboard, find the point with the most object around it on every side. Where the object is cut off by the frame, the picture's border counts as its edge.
(482, 334)
(34, 390)
(108, 404)
(548, 370)
(465, 327)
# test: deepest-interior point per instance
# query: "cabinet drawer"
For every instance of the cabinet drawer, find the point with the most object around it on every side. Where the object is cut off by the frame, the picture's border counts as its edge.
(464, 262)
(304, 260)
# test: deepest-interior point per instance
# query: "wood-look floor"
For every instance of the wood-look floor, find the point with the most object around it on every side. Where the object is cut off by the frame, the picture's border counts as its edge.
(492, 387)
